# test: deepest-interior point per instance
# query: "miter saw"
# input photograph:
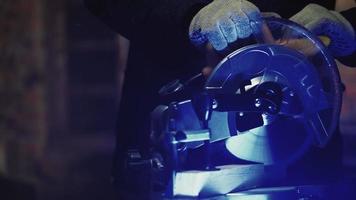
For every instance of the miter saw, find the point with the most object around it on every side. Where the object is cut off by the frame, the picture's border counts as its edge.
(263, 106)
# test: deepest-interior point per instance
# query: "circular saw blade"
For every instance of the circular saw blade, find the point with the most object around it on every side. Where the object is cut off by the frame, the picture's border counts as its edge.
(282, 141)
(299, 62)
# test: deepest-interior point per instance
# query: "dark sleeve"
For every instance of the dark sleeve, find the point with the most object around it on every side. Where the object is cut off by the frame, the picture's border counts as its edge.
(129, 17)
(350, 15)
(287, 9)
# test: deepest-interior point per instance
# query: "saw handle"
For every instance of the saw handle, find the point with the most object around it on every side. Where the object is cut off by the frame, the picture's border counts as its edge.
(263, 34)
(325, 40)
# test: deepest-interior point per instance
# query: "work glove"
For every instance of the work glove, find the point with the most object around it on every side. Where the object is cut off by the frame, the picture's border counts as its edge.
(222, 22)
(323, 22)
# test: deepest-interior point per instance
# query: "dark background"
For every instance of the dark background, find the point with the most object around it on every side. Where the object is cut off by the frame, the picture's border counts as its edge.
(60, 80)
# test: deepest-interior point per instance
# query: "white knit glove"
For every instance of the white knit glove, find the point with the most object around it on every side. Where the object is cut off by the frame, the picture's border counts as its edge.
(222, 22)
(321, 21)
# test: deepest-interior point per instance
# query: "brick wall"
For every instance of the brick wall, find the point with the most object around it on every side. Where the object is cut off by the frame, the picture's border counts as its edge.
(22, 88)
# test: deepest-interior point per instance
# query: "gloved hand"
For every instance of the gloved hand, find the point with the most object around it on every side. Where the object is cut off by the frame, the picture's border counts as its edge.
(222, 22)
(321, 21)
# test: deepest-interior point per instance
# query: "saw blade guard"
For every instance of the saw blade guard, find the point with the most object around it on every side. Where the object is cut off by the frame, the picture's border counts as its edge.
(289, 55)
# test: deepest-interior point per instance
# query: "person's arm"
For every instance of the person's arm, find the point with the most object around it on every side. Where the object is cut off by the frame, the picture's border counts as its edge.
(342, 5)
(128, 17)
(350, 15)
(347, 9)
(329, 23)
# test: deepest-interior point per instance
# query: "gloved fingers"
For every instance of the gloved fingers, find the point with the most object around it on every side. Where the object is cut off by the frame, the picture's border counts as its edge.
(338, 16)
(222, 22)
(195, 33)
(228, 29)
(219, 34)
(323, 22)
(317, 27)
(314, 26)
(216, 37)
(299, 19)
(251, 11)
(242, 24)
(309, 13)
(198, 38)
(341, 43)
